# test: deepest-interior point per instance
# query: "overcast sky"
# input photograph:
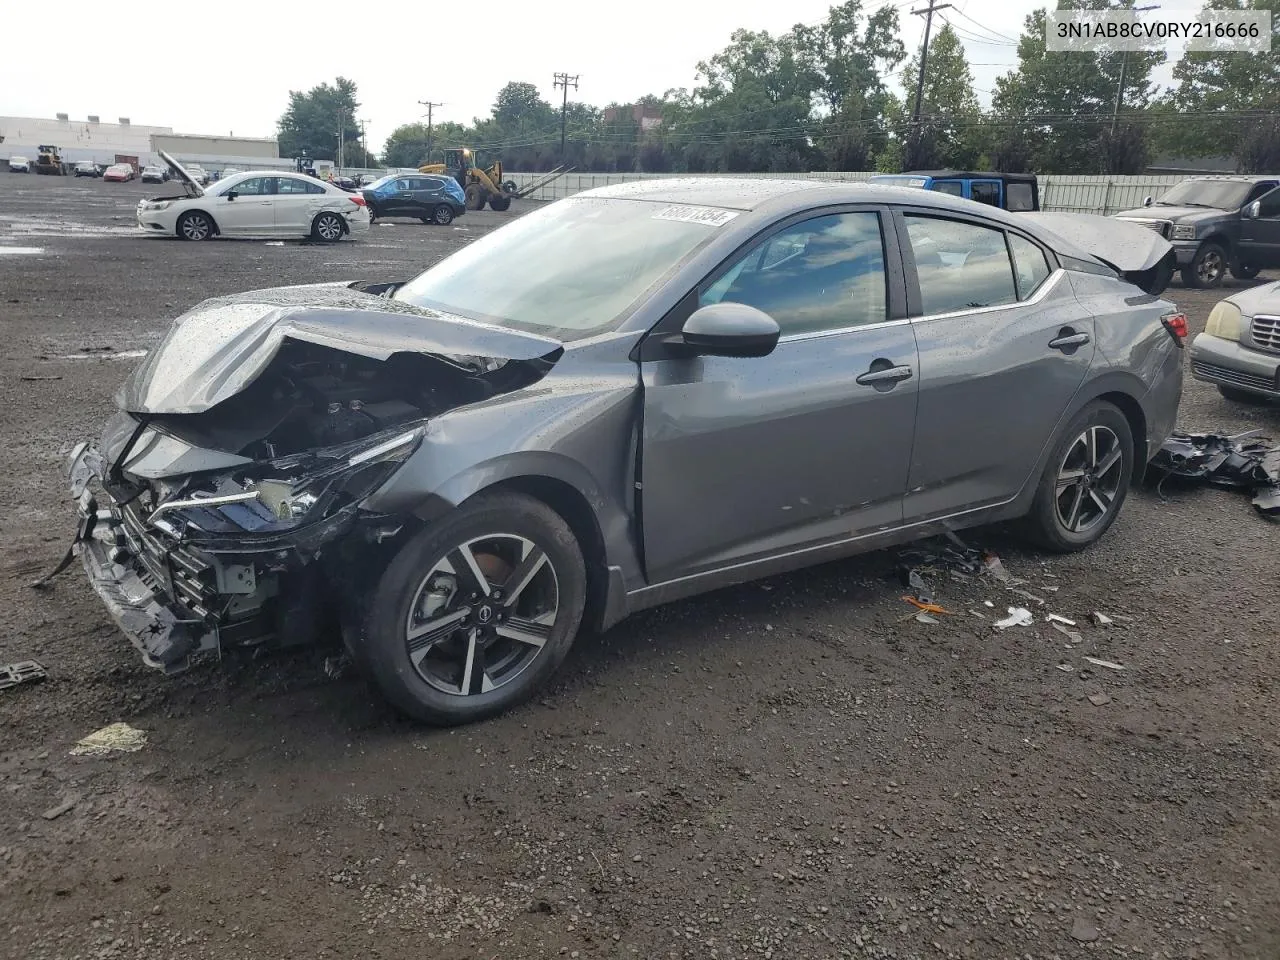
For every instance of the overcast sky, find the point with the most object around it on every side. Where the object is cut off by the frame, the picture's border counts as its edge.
(230, 71)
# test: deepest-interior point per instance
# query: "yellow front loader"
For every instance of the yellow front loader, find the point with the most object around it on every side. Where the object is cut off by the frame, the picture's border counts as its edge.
(484, 185)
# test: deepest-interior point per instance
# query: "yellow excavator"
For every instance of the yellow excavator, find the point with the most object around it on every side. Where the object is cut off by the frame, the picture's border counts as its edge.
(485, 185)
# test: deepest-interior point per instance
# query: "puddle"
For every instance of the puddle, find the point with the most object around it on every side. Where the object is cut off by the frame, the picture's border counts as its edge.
(21, 251)
(104, 355)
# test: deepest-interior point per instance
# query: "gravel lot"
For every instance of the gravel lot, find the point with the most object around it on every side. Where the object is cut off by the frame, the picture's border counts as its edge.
(787, 769)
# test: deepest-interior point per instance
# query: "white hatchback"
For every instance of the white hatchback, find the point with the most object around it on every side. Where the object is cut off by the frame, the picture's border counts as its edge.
(257, 203)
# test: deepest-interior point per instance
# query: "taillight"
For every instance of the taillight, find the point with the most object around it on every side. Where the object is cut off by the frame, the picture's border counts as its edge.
(1176, 324)
(357, 200)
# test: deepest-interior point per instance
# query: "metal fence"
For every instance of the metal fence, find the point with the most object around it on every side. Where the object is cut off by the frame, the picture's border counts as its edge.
(1104, 195)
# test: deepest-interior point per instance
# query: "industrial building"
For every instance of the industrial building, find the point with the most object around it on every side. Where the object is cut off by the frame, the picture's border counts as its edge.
(126, 142)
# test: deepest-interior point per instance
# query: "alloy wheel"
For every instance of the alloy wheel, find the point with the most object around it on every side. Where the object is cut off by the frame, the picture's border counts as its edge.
(195, 228)
(1089, 479)
(329, 228)
(482, 614)
(1210, 267)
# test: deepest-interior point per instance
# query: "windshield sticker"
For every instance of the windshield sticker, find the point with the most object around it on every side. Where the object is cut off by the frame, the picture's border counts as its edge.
(711, 216)
(915, 182)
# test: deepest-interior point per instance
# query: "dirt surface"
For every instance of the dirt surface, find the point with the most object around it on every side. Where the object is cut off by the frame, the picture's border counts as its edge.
(788, 769)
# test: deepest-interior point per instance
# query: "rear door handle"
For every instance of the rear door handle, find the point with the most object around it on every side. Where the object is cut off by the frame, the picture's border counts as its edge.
(878, 375)
(1069, 341)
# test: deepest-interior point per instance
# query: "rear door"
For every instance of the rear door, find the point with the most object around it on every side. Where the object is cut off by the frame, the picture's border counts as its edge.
(1260, 238)
(746, 458)
(1004, 347)
(296, 204)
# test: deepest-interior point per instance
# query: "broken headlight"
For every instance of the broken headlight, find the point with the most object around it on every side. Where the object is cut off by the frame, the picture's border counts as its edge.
(1225, 321)
(342, 481)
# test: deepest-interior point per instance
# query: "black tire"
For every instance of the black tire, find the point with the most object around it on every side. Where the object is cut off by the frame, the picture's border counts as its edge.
(402, 592)
(1049, 522)
(1243, 396)
(1245, 271)
(1207, 268)
(196, 226)
(475, 197)
(500, 203)
(328, 227)
(442, 215)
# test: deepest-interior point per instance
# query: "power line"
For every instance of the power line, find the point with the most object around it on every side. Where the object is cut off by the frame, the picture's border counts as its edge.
(430, 106)
(994, 33)
(928, 12)
(563, 80)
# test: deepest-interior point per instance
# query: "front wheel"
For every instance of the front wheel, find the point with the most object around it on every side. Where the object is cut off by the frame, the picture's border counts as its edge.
(500, 203)
(327, 227)
(475, 197)
(1207, 268)
(195, 226)
(475, 613)
(1085, 482)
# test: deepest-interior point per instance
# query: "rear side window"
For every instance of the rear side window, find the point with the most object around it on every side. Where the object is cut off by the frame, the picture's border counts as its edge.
(960, 266)
(953, 188)
(985, 191)
(1030, 267)
(291, 186)
(1018, 197)
(821, 274)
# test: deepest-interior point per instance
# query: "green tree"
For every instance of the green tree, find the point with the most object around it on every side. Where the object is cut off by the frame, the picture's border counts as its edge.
(947, 134)
(1061, 104)
(311, 123)
(1214, 88)
(408, 144)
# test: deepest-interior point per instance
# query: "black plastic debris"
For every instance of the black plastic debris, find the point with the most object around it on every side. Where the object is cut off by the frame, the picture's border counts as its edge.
(1246, 461)
(25, 671)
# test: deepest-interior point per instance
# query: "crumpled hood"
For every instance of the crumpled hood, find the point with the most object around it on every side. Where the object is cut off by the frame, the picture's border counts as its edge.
(216, 349)
(1128, 247)
(1176, 214)
(1263, 299)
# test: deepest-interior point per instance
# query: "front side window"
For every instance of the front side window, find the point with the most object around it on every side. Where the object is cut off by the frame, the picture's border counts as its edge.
(985, 191)
(960, 266)
(952, 188)
(821, 274)
(569, 270)
(1270, 205)
(254, 187)
(1030, 266)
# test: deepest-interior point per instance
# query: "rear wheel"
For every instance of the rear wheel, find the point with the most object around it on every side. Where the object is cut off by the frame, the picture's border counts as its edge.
(500, 203)
(1245, 271)
(195, 226)
(1207, 268)
(327, 227)
(477, 612)
(1085, 482)
(443, 214)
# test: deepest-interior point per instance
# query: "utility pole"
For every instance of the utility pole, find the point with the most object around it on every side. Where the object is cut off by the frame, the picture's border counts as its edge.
(430, 107)
(562, 81)
(364, 143)
(924, 49)
(342, 123)
(1124, 62)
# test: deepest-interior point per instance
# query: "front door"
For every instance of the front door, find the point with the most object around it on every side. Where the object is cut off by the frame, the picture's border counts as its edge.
(248, 208)
(751, 457)
(1003, 350)
(1260, 238)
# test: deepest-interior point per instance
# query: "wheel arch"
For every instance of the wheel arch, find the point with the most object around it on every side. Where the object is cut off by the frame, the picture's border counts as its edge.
(177, 223)
(346, 227)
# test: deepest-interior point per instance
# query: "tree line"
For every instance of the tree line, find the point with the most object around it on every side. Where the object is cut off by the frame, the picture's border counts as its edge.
(825, 97)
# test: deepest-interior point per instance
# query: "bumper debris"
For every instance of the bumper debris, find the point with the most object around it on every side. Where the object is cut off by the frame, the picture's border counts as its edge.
(1246, 461)
(24, 671)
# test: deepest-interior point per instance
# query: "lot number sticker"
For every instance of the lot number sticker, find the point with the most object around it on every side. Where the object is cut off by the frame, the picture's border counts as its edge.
(708, 215)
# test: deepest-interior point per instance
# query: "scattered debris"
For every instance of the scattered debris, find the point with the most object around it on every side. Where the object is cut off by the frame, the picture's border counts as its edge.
(1055, 618)
(911, 578)
(923, 617)
(988, 603)
(992, 566)
(975, 613)
(68, 802)
(1099, 699)
(24, 671)
(1108, 664)
(1101, 619)
(1018, 617)
(274, 243)
(1246, 461)
(926, 607)
(1066, 668)
(1073, 635)
(1084, 930)
(335, 667)
(33, 379)
(1031, 596)
(116, 736)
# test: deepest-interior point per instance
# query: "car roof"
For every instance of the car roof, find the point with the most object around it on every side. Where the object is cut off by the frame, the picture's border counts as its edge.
(972, 175)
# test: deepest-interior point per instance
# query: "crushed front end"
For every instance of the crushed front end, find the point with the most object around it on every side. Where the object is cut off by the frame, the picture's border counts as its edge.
(254, 555)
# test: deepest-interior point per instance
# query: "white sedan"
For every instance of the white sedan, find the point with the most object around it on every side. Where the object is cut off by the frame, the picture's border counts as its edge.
(19, 165)
(257, 203)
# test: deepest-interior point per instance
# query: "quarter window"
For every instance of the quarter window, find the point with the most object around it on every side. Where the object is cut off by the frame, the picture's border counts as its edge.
(821, 274)
(1030, 267)
(960, 266)
(1018, 197)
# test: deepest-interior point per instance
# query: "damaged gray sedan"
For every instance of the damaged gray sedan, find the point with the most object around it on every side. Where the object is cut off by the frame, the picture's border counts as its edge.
(633, 395)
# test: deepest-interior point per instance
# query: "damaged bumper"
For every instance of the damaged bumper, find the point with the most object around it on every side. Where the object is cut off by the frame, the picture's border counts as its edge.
(175, 597)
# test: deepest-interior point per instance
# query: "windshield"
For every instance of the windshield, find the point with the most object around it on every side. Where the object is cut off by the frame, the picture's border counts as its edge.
(569, 270)
(1220, 194)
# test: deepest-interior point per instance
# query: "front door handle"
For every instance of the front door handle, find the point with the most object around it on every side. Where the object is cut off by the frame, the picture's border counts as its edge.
(1069, 341)
(879, 374)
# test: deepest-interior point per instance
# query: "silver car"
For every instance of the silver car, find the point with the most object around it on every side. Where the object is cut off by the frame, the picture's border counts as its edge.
(1239, 350)
(633, 395)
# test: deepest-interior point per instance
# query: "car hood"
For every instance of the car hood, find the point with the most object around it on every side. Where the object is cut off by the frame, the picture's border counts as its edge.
(1260, 299)
(216, 349)
(193, 188)
(1178, 214)
(1126, 247)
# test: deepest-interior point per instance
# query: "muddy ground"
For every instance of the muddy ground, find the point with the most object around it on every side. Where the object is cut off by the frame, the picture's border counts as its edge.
(786, 769)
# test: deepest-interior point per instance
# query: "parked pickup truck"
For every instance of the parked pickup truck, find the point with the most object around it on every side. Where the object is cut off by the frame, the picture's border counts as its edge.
(1016, 192)
(1216, 224)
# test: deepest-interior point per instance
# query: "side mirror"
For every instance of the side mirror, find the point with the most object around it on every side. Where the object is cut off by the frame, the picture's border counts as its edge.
(730, 330)
(1253, 211)
(231, 196)
(1147, 201)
